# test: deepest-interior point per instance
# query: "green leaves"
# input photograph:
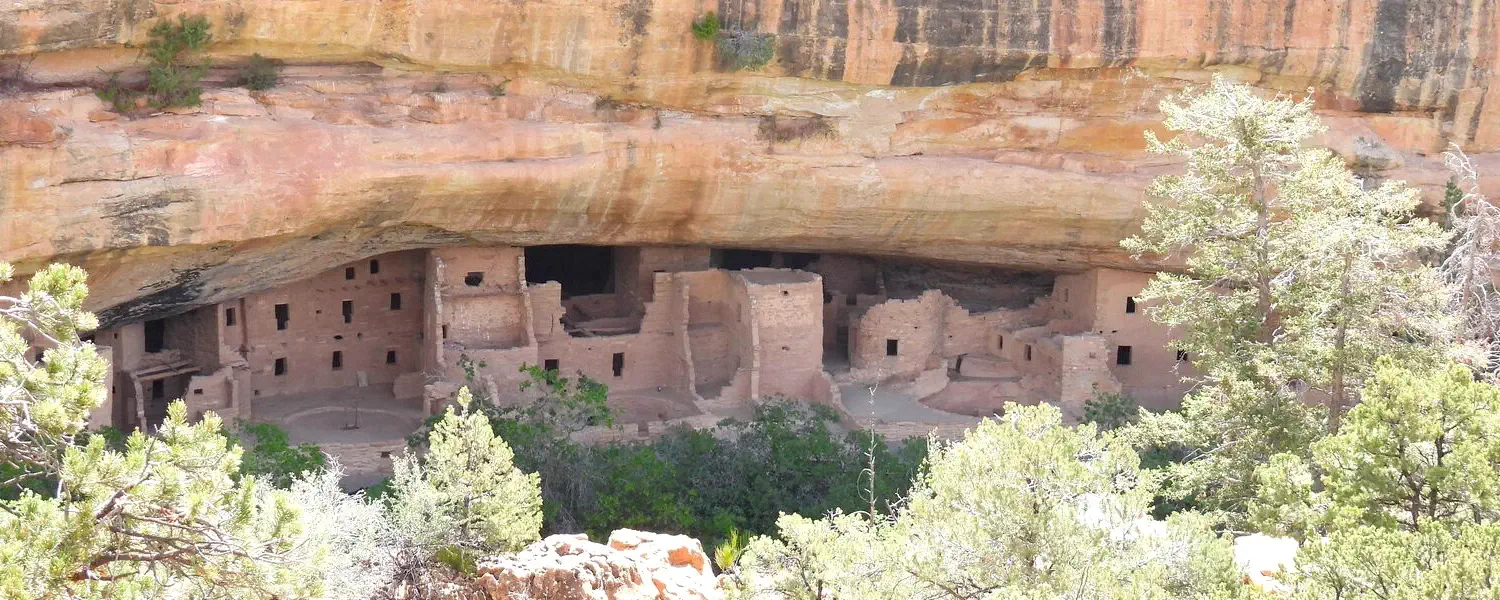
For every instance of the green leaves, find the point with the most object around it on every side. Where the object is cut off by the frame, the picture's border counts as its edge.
(1024, 507)
(465, 490)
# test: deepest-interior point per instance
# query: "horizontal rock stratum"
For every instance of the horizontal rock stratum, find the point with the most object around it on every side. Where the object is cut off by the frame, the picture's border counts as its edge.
(1002, 132)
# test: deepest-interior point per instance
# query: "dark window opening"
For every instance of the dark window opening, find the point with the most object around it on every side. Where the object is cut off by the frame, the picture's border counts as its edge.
(582, 270)
(279, 368)
(851, 300)
(283, 314)
(619, 363)
(1122, 355)
(349, 273)
(474, 278)
(198, 392)
(1129, 304)
(395, 301)
(338, 359)
(445, 332)
(1028, 351)
(348, 309)
(156, 335)
(550, 364)
(229, 317)
(890, 347)
(390, 357)
(999, 342)
(827, 298)
(374, 266)
(1182, 356)
(86, 338)
(158, 390)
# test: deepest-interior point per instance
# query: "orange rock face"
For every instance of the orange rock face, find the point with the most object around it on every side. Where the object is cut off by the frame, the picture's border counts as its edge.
(1004, 132)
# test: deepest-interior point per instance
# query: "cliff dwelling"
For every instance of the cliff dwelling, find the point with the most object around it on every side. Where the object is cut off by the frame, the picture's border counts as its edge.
(354, 358)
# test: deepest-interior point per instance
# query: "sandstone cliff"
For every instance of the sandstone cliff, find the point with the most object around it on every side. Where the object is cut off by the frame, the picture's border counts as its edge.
(1003, 132)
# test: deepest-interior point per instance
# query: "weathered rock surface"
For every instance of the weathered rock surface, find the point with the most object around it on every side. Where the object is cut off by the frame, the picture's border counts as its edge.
(1004, 133)
(633, 566)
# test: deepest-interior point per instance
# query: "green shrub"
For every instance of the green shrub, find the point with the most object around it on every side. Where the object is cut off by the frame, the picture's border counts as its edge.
(270, 455)
(706, 27)
(176, 67)
(728, 552)
(259, 74)
(119, 98)
(1110, 410)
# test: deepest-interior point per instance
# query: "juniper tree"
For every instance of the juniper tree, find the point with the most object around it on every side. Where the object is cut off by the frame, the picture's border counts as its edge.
(1294, 276)
(1471, 262)
(1407, 501)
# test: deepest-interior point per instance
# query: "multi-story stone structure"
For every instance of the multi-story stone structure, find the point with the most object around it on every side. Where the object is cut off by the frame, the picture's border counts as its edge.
(354, 357)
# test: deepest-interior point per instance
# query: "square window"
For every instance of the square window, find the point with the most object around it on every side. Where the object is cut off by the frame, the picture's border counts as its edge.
(283, 314)
(1129, 305)
(374, 266)
(395, 301)
(390, 357)
(890, 347)
(229, 317)
(619, 363)
(338, 359)
(474, 278)
(279, 368)
(1122, 355)
(348, 272)
(550, 364)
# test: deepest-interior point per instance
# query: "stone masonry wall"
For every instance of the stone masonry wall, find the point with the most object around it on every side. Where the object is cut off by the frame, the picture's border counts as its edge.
(316, 327)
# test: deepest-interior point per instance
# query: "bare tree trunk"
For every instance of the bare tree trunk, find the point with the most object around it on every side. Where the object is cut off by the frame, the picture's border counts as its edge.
(1263, 254)
(1336, 395)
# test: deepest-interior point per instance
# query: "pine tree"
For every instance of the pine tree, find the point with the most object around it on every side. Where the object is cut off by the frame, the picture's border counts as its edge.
(1295, 276)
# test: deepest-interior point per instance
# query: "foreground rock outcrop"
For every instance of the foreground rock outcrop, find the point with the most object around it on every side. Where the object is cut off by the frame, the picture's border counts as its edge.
(633, 566)
(1002, 133)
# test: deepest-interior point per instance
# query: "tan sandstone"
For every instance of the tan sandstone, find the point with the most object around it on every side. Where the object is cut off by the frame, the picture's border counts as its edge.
(995, 133)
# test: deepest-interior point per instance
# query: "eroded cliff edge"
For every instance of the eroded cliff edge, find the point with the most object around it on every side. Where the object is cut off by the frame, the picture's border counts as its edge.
(1004, 132)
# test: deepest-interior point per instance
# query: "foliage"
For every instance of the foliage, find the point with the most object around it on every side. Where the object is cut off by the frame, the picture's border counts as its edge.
(173, 48)
(165, 516)
(465, 491)
(259, 74)
(1297, 276)
(1371, 563)
(270, 455)
(354, 538)
(1110, 410)
(563, 405)
(119, 98)
(706, 27)
(498, 90)
(1421, 449)
(1021, 508)
(1408, 493)
(728, 552)
(742, 50)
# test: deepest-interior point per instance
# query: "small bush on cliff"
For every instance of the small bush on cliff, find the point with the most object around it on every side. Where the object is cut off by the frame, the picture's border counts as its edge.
(706, 27)
(741, 50)
(259, 74)
(176, 62)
